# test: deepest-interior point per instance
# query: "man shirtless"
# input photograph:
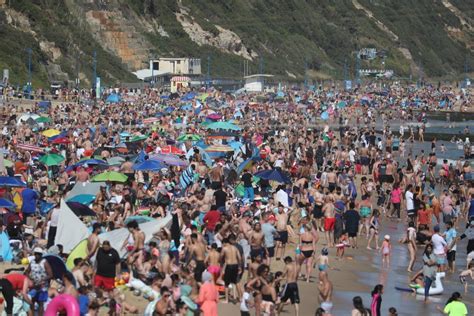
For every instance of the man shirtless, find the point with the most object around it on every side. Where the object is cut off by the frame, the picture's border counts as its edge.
(281, 227)
(332, 178)
(82, 175)
(93, 242)
(197, 251)
(135, 244)
(325, 292)
(256, 242)
(329, 221)
(232, 262)
(290, 291)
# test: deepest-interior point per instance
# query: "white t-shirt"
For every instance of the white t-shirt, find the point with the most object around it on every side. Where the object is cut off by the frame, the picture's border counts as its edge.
(55, 217)
(352, 154)
(438, 244)
(409, 199)
(243, 302)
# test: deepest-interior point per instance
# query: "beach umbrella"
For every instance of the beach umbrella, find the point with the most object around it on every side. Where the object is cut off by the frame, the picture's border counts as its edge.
(171, 160)
(25, 117)
(189, 137)
(224, 126)
(51, 159)
(236, 145)
(149, 165)
(51, 132)
(214, 116)
(7, 163)
(113, 98)
(85, 199)
(80, 209)
(58, 267)
(219, 148)
(7, 203)
(150, 120)
(171, 150)
(112, 176)
(115, 161)
(43, 119)
(12, 182)
(138, 138)
(325, 115)
(273, 175)
(61, 140)
(138, 218)
(93, 161)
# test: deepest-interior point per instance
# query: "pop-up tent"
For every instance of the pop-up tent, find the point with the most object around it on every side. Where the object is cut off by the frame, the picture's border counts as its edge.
(113, 98)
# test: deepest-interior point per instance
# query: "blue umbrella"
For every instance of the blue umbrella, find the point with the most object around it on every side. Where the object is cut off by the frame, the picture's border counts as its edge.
(273, 175)
(7, 203)
(92, 162)
(149, 165)
(11, 182)
(113, 98)
(324, 115)
(83, 198)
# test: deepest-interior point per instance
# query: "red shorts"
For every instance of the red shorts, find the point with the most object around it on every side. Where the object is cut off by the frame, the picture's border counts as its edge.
(329, 223)
(107, 284)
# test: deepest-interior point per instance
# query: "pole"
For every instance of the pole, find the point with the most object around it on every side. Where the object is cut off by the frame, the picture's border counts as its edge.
(305, 73)
(94, 70)
(357, 70)
(29, 83)
(77, 72)
(208, 79)
(261, 65)
(345, 70)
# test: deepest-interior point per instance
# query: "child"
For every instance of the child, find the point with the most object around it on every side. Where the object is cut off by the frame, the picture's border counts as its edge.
(381, 197)
(464, 274)
(343, 242)
(443, 148)
(385, 250)
(245, 304)
(323, 260)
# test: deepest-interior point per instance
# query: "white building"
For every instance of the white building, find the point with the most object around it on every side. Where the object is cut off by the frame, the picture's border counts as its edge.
(177, 66)
(255, 83)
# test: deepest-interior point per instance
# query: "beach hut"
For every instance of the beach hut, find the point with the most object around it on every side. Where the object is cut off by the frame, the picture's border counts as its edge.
(179, 82)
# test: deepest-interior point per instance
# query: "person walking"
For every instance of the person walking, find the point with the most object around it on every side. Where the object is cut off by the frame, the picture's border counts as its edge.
(429, 269)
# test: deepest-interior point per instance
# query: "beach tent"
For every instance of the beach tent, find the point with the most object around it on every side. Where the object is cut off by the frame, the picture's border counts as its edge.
(117, 236)
(80, 251)
(71, 230)
(89, 188)
(5, 248)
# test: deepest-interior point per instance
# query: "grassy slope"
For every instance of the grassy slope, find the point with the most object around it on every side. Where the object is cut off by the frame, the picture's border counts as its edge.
(285, 33)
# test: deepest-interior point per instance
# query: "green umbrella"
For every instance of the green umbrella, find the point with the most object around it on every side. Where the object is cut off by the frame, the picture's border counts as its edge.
(193, 137)
(51, 159)
(7, 163)
(43, 119)
(224, 126)
(138, 138)
(112, 176)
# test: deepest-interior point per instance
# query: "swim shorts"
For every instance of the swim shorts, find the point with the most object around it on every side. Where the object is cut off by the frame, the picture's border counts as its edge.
(329, 223)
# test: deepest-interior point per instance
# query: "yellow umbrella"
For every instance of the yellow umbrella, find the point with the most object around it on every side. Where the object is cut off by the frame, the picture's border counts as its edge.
(51, 132)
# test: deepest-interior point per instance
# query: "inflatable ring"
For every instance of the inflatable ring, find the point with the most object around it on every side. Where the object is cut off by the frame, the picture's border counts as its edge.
(63, 302)
(436, 288)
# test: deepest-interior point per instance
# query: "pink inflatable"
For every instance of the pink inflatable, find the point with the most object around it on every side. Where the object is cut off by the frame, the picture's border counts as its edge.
(63, 302)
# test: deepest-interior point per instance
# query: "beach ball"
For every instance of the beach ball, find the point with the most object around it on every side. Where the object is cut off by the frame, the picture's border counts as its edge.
(24, 261)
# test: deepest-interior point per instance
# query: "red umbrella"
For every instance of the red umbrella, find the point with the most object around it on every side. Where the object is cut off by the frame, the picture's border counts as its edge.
(171, 150)
(61, 140)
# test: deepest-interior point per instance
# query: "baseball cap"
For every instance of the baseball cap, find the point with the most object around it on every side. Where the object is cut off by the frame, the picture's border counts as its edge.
(38, 250)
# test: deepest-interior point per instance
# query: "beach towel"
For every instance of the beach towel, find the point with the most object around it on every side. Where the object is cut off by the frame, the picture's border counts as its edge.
(186, 178)
(5, 249)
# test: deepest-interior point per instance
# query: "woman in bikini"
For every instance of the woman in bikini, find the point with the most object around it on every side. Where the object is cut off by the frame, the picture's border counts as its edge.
(306, 245)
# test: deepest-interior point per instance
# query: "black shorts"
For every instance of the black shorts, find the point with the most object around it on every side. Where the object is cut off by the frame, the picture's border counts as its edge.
(271, 251)
(255, 252)
(331, 187)
(291, 292)
(451, 256)
(364, 161)
(352, 234)
(318, 211)
(230, 274)
(283, 237)
(200, 268)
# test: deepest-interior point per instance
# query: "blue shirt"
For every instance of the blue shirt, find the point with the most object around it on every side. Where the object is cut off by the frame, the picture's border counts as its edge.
(450, 236)
(29, 198)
